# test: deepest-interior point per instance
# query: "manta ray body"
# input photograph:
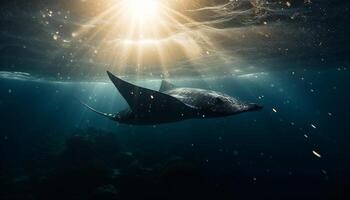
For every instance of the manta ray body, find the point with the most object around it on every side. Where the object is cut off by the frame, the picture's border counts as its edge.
(172, 104)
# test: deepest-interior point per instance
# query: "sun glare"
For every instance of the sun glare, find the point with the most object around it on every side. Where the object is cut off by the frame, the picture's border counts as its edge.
(142, 9)
(144, 34)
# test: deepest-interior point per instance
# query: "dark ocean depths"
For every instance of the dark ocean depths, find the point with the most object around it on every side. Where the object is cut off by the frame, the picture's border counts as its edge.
(292, 57)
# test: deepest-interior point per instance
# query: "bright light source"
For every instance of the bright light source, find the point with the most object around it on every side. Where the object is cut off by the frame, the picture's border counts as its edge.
(142, 9)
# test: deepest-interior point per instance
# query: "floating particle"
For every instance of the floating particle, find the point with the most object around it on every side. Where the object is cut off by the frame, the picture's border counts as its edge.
(274, 110)
(313, 126)
(330, 114)
(316, 154)
(10, 91)
(306, 136)
(152, 97)
(55, 37)
(208, 52)
(288, 4)
(265, 23)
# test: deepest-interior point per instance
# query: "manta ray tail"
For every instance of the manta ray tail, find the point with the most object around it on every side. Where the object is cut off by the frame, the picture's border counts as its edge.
(110, 116)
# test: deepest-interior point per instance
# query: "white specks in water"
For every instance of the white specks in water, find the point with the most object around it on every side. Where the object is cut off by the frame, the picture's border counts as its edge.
(316, 154)
(274, 110)
(330, 114)
(288, 4)
(313, 126)
(152, 97)
(306, 136)
(9, 91)
(55, 37)
(203, 116)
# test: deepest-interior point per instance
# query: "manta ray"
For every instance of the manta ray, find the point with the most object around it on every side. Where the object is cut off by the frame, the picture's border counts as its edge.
(172, 104)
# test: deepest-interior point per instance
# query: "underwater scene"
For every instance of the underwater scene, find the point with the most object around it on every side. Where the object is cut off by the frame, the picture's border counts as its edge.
(174, 99)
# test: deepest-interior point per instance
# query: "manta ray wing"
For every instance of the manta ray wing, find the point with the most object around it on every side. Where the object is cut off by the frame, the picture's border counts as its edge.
(146, 102)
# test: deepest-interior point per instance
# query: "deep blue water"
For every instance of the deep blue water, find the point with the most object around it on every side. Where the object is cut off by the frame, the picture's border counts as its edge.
(263, 154)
